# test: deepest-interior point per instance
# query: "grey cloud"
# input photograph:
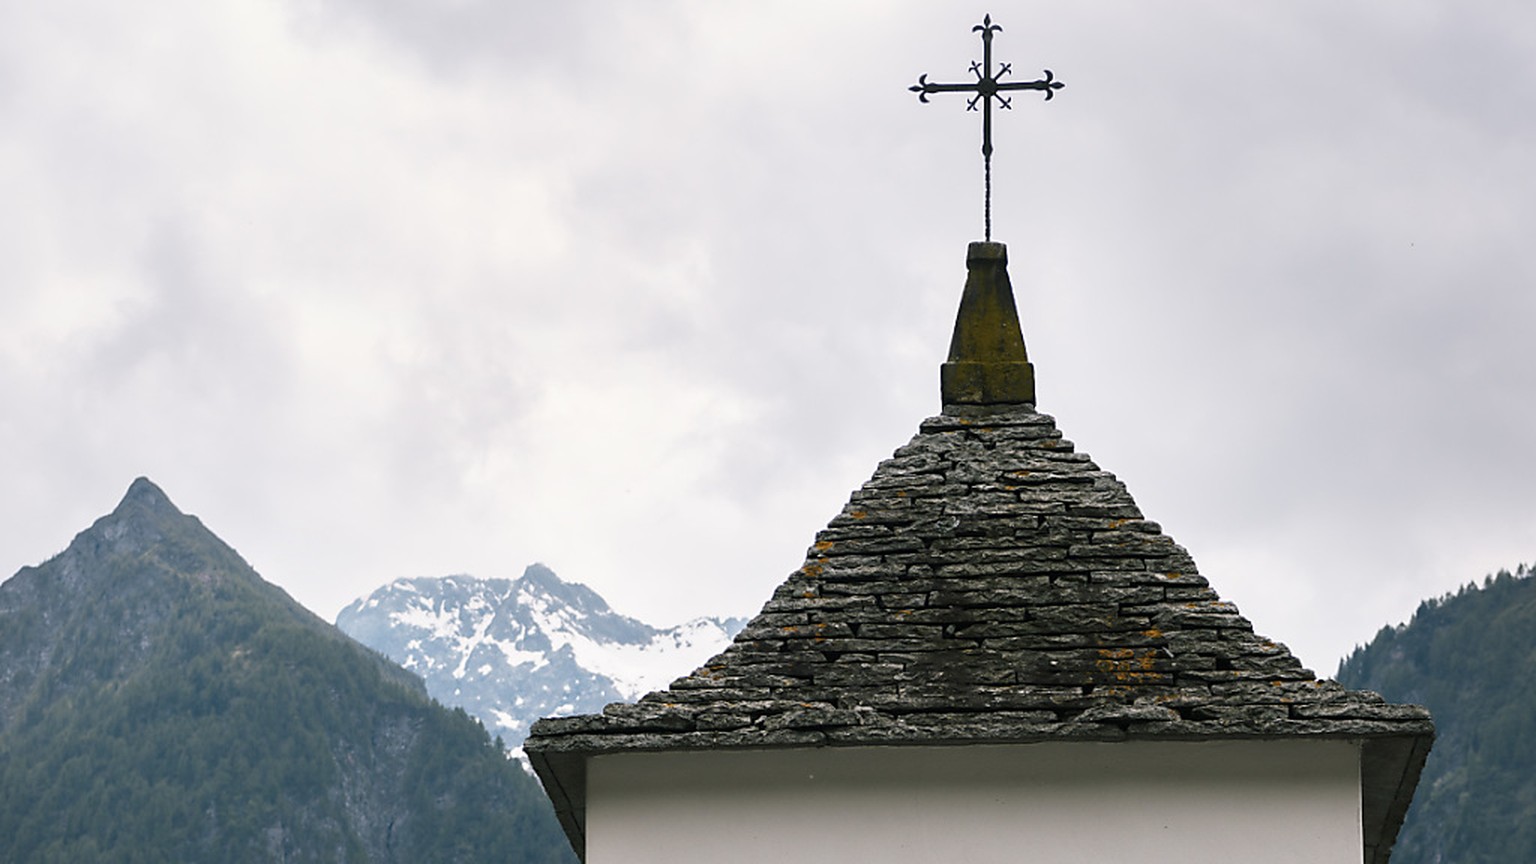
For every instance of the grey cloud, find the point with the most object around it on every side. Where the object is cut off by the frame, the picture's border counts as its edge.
(678, 279)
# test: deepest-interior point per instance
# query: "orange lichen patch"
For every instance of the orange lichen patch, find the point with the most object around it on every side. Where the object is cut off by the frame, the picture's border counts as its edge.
(813, 569)
(859, 514)
(1152, 633)
(1120, 523)
(1021, 473)
(1174, 575)
(822, 545)
(1129, 666)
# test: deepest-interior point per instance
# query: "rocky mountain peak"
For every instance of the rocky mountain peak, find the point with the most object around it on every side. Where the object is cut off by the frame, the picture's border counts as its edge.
(98, 611)
(138, 523)
(144, 538)
(144, 496)
(540, 580)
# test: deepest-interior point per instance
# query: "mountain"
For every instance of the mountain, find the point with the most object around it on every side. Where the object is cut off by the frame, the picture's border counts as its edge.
(160, 702)
(1470, 659)
(510, 651)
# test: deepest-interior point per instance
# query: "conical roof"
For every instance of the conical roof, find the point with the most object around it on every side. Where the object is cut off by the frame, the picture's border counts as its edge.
(991, 584)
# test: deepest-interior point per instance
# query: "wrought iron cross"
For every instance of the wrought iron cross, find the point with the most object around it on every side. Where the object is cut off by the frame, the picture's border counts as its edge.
(987, 87)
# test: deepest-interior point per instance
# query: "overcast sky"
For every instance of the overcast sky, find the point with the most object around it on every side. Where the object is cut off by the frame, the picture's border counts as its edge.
(399, 288)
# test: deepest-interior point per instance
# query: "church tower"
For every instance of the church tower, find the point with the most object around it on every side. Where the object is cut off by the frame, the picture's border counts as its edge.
(990, 655)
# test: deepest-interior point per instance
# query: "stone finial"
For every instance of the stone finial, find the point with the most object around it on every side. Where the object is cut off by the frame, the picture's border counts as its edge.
(987, 361)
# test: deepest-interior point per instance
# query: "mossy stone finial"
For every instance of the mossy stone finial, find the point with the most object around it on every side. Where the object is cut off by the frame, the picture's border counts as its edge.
(987, 361)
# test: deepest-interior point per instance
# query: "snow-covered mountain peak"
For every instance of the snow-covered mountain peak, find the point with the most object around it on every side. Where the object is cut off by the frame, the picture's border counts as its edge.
(512, 650)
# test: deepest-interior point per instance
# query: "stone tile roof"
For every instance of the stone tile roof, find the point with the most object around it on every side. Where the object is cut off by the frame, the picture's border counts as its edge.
(990, 584)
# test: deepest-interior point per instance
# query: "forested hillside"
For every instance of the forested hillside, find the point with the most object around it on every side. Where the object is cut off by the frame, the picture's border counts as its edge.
(160, 702)
(1470, 657)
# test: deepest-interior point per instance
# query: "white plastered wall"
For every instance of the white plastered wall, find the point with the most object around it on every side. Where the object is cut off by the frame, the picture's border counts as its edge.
(1054, 803)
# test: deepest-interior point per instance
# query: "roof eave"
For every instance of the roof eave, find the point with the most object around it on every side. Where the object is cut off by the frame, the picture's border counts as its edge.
(1389, 773)
(564, 775)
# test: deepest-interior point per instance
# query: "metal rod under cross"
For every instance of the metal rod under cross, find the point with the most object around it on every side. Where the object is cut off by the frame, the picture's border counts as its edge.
(986, 87)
